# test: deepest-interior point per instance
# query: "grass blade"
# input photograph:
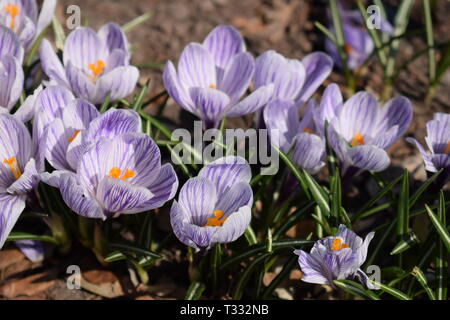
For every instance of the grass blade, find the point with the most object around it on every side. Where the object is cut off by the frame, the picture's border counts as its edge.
(392, 291)
(403, 206)
(21, 236)
(441, 257)
(356, 289)
(317, 192)
(136, 22)
(423, 282)
(195, 291)
(442, 231)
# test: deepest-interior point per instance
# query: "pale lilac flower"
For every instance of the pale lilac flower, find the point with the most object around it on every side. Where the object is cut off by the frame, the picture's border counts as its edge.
(302, 136)
(215, 206)
(33, 250)
(358, 43)
(23, 17)
(18, 174)
(438, 142)
(294, 80)
(212, 78)
(11, 73)
(360, 129)
(94, 64)
(336, 257)
(122, 175)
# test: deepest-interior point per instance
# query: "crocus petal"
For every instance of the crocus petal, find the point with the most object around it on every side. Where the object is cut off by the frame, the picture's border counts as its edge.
(364, 279)
(26, 111)
(118, 196)
(238, 196)
(223, 43)
(79, 114)
(312, 270)
(318, 67)
(51, 65)
(330, 105)
(196, 67)
(10, 209)
(82, 48)
(288, 75)
(234, 226)
(369, 158)
(198, 197)
(56, 143)
(53, 179)
(74, 195)
(120, 83)
(211, 103)
(33, 250)
(27, 181)
(117, 58)
(441, 161)
(226, 172)
(10, 44)
(282, 116)
(441, 116)
(340, 265)
(362, 250)
(81, 85)
(238, 76)
(309, 152)
(175, 89)
(429, 166)
(255, 101)
(350, 238)
(46, 15)
(438, 135)
(11, 78)
(51, 101)
(27, 33)
(113, 37)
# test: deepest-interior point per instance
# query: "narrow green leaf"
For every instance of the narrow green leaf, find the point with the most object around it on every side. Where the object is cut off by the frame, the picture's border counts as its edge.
(442, 231)
(408, 241)
(164, 130)
(415, 197)
(417, 272)
(195, 291)
(441, 256)
(355, 289)
(443, 65)
(250, 236)
(318, 194)
(325, 31)
(21, 236)
(136, 22)
(138, 102)
(403, 206)
(115, 256)
(105, 103)
(392, 291)
(430, 40)
(136, 250)
(60, 36)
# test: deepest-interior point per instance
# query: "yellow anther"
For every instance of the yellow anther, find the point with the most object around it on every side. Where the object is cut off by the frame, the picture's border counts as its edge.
(447, 149)
(97, 69)
(348, 48)
(73, 136)
(216, 221)
(13, 166)
(212, 86)
(116, 174)
(357, 140)
(13, 11)
(338, 244)
(308, 130)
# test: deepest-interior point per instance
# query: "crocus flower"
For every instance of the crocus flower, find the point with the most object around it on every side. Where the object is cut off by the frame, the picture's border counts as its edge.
(336, 257)
(212, 78)
(33, 250)
(116, 176)
(18, 174)
(94, 64)
(294, 80)
(360, 129)
(438, 142)
(215, 206)
(358, 43)
(23, 17)
(307, 142)
(11, 73)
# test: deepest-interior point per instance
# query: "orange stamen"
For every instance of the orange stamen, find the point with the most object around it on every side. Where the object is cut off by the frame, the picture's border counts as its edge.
(97, 69)
(308, 130)
(13, 12)
(75, 133)
(357, 140)
(116, 173)
(216, 221)
(348, 48)
(338, 245)
(212, 86)
(447, 149)
(13, 166)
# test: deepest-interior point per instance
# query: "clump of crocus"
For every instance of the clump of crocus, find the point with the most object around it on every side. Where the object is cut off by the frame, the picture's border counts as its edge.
(23, 17)
(11, 73)
(212, 78)
(360, 129)
(122, 175)
(336, 257)
(215, 206)
(438, 142)
(358, 43)
(18, 174)
(94, 66)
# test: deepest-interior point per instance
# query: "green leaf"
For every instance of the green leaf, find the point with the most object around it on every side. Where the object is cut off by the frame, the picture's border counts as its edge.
(250, 236)
(415, 197)
(105, 103)
(406, 243)
(318, 194)
(115, 256)
(21, 236)
(441, 256)
(403, 206)
(139, 101)
(392, 291)
(240, 286)
(136, 22)
(164, 130)
(417, 272)
(137, 250)
(355, 289)
(195, 291)
(430, 40)
(60, 36)
(443, 65)
(442, 231)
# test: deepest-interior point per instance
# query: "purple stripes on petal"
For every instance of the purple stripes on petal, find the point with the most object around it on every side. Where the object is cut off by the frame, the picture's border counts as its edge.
(438, 135)
(120, 82)
(196, 67)
(236, 197)
(211, 103)
(83, 47)
(27, 181)
(113, 37)
(309, 152)
(51, 65)
(255, 101)
(10, 209)
(369, 158)
(312, 271)
(234, 226)
(81, 85)
(238, 76)
(282, 116)
(11, 78)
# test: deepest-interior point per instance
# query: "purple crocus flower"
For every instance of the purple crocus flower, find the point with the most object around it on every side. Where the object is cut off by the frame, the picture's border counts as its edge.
(294, 80)
(23, 17)
(215, 206)
(438, 142)
(11, 73)
(360, 129)
(307, 142)
(336, 257)
(33, 250)
(358, 43)
(212, 78)
(116, 176)
(94, 64)
(18, 174)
